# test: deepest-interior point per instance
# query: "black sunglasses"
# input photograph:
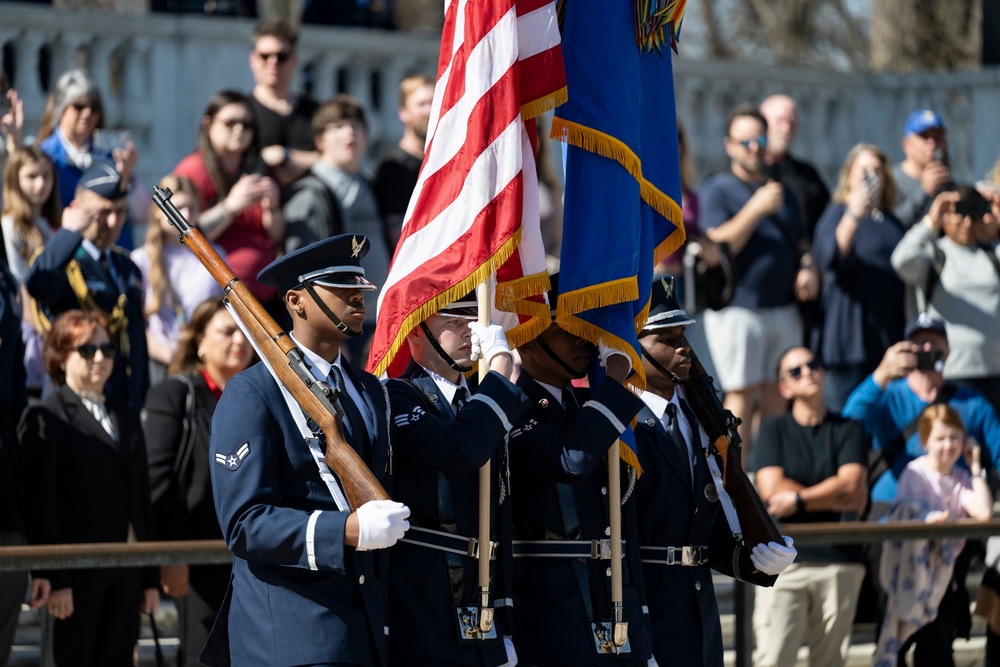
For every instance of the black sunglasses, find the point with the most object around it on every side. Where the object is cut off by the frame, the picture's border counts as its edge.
(230, 123)
(281, 56)
(89, 350)
(796, 373)
(80, 106)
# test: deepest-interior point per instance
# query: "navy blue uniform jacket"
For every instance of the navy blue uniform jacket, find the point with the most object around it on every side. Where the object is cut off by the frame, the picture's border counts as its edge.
(437, 449)
(299, 596)
(547, 450)
(49, 285)
(673, 512)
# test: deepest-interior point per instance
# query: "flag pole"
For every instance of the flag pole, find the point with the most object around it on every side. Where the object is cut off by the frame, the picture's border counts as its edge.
(485, 308)
(620, 626)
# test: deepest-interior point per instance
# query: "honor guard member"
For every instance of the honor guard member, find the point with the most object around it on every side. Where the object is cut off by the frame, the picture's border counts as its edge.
(683, 527)
(443, 437)
(304, 588)
(81, 267)
(558, 452)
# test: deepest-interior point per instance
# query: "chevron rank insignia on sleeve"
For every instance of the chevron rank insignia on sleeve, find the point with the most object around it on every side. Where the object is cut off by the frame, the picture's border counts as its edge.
(412, 418)
(234, 460)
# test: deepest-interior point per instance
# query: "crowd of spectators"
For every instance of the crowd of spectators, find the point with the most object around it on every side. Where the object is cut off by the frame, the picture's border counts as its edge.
(100, 324)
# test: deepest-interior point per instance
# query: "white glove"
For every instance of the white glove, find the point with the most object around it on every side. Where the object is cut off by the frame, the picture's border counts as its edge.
(488, 342)
(381, 523)
(508, 645)
(772, 558)
(604, 353)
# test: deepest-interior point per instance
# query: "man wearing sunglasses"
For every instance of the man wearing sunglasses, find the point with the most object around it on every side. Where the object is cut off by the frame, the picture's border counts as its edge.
(284, 119)
(811, 466)
(759, 221)
(81, 267)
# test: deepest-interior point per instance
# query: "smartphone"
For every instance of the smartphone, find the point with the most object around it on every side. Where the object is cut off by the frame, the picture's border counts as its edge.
(106, 141)
(872, 183)
(4, 104)
(930, 360)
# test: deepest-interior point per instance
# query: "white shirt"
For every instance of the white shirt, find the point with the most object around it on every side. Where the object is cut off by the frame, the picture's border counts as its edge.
(658, 405)
(320, 368)
(446, 386)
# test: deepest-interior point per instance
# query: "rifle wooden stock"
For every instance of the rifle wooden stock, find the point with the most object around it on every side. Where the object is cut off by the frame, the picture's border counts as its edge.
(316, 399)
(720, 425)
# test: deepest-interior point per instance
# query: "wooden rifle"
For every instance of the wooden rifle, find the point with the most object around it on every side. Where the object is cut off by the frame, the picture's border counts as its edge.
(720, 424)
(317, 399)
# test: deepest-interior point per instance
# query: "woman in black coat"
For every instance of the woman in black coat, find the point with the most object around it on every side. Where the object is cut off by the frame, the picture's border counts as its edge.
(210, 351)
(86, 480)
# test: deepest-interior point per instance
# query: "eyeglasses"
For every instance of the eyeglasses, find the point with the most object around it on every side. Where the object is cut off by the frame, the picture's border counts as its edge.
(760, 141)
(89, 350)
(231, 123)
(80, 106)
(280, 56)
(796, 373)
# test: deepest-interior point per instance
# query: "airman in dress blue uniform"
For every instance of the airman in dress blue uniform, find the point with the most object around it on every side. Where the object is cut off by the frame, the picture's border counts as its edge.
(683, 527)
(81, 267)
(558, 453)
(443, 437)
(306, 586)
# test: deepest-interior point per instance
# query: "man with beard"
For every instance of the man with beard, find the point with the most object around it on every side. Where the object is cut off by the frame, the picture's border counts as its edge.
(558, 453)
(443, 436)
(683, 527)
(758, 219)
(397, 171)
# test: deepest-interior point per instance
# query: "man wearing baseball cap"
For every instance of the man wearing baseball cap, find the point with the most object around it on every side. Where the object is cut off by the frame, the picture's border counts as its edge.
(925, 170)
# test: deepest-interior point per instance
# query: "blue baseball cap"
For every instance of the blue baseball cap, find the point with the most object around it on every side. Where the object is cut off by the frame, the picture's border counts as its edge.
(919, 122)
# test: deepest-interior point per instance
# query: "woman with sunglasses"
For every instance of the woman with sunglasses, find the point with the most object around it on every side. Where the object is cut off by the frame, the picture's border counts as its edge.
(86, 480)
(240, 207)
(210, 351)
(73, 114)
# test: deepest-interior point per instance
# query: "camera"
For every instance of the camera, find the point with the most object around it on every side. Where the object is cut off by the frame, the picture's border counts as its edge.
(930, 360)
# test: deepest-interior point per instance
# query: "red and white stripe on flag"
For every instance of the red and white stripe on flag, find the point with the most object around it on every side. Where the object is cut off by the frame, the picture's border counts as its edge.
(475, 205)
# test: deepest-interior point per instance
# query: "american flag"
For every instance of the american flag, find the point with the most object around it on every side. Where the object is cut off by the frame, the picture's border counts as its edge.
(474, 211)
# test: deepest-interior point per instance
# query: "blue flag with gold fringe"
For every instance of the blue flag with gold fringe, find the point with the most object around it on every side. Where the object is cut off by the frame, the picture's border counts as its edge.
(622, 211)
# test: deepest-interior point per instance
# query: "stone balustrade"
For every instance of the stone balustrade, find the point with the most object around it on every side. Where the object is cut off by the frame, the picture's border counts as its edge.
(157, 72)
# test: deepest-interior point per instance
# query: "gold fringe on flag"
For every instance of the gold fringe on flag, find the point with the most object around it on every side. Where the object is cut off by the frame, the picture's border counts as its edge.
(457, 291)
(512, 297)
(595, 141)
(549, 102)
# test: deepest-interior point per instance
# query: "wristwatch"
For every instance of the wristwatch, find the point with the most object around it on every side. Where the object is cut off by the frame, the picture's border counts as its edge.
(800, 505)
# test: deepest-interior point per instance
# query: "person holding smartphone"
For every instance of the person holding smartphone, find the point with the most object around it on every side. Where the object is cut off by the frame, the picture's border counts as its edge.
(959, 277)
